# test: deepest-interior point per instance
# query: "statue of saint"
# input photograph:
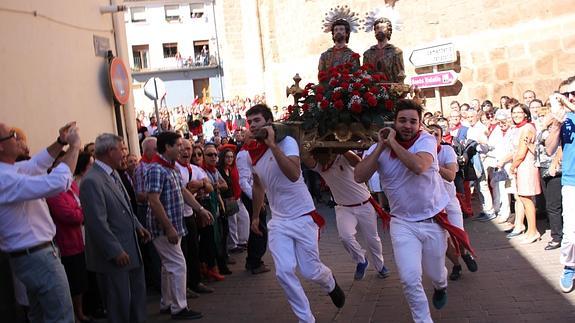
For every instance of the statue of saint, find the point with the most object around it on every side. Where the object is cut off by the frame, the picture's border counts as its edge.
(385, 58)
(340, 21)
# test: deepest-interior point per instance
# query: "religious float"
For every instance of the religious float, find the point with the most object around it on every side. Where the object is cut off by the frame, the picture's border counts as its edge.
(350, 103)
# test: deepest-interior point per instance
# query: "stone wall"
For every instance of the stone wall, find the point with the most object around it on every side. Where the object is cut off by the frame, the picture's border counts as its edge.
(504, 47)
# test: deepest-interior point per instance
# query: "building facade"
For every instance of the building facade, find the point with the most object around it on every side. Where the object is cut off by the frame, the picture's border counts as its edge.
(175, 41)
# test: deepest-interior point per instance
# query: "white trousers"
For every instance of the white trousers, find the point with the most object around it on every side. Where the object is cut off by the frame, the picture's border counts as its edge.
(501, 203)
(173, 274)
(485, 194)
(364, 218)
(294, 243)
(239, 225)
(454, 213)
(417, 245)
(568, 242)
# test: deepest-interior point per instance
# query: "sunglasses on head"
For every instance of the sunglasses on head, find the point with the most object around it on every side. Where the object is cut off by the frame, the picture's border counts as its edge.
(566, 94)
(12, 134)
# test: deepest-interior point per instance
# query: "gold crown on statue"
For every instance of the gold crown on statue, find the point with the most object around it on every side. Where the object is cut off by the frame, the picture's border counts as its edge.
(341, 13)
(376, 15)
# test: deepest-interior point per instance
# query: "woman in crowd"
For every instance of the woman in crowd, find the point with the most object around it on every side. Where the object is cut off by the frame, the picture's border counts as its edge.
(215, 206)
(230, 196)
(550, 172)
(68, 217)
(526, 174)
(208, 253)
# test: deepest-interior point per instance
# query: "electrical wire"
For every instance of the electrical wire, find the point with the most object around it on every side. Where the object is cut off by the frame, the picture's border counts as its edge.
(58, 22)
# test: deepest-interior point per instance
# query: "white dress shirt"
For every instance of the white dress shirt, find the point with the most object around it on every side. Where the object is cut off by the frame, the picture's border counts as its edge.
(24, 215)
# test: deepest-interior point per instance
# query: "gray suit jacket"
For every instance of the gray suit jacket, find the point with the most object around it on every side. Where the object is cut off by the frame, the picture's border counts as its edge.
(110, 223)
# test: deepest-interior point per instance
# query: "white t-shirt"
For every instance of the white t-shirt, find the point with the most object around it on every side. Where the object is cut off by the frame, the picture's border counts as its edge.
(288, 200)
(243, 163)
(412, 197)
(339, 178)
(197, 174)
(447, 156)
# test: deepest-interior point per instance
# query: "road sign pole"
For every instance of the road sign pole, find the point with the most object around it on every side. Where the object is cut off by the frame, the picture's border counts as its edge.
(438, 93)
(158, 122)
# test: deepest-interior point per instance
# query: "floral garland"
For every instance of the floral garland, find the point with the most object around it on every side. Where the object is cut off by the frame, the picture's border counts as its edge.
(344, 95)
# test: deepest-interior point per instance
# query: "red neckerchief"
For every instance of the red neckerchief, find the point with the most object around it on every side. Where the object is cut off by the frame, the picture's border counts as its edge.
(438, 148)
(448, 138)
(160, 160)
(256, 150)
(209, 168)
(186, 166)
(458, 236)
(521, 124)
(146, 160)
(456, 127)
(405, 144)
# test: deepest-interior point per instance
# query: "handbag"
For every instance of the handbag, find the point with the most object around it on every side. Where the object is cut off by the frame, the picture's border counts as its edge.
(500, 175)
(231, 205)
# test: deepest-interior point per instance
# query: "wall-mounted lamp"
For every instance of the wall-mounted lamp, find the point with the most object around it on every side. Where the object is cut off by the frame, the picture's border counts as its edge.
(112, 9)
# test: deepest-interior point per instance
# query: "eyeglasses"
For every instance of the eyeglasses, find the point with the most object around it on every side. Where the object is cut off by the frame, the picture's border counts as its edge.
(12, 134)
(211, 155)
(198, 154)
(566, 94)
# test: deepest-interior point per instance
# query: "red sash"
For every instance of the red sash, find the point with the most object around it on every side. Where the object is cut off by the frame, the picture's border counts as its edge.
(319, 220)
(384, 216)
(458, 236)
(405, 144)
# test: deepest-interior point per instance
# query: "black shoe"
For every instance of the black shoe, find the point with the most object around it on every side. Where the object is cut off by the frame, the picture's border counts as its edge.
(200, 288)
(260, 270)
(165, 310)
(553, 245)
(187, 314)
(237, 250)
(225, 271)
(337, 296)
(470, 262)
(439, 298)
(455, 273)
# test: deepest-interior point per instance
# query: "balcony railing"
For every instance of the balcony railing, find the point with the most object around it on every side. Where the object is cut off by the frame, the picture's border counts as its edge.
(174, 63)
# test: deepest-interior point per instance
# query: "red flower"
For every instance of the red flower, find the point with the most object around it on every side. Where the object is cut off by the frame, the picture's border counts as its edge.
(383, 77)
(376, 77)
(365, 81)
(336, 95)
(333, 82)
(319, 97)
(356, 108)
(322, 76)
(346, 77)
(308, 86)
(305, 93)
(357, 86)
(305, 107)
(345, 71)
(319, 89)
(355, 56)
(345, 85)
(338, 105)
(290, 109)
(348, 65)
(372, 102)
(374, 90)
(367, 95)
(388, 105)
(356, 73)
(356, 93)
(324, 104)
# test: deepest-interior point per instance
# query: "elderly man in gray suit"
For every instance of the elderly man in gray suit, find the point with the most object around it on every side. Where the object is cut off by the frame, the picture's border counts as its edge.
(112, 231)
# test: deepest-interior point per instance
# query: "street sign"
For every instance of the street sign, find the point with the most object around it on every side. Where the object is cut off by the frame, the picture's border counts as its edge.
(119, 81)
(155, 88)
(433, 55)
(438, 79)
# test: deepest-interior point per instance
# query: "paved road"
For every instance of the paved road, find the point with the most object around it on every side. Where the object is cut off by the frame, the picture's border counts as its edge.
(515, 283)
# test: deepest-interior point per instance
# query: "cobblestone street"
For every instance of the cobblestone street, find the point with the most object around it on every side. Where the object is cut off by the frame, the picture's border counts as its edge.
(515, 283)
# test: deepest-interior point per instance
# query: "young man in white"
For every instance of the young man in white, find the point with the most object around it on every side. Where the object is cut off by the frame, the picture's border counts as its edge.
(407, 164)
(294, 227)
(448, 167)
(355, 207)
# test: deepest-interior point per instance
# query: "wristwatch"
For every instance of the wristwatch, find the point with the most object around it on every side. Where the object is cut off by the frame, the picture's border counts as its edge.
(63, 143)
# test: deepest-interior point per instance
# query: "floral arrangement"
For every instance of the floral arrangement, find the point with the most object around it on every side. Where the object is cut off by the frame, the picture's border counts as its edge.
(344, 95)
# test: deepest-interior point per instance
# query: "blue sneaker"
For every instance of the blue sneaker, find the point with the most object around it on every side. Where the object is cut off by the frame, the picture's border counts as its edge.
(383, 273)
(360, 270)
(485, 217)
(439, 298)
(566, 281)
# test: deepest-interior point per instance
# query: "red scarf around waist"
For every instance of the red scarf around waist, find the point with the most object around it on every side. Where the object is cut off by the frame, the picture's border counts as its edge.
(319, 220)
(256, 150)
(458, 236)
(159, 160)
(384, 216)
(405, 144)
